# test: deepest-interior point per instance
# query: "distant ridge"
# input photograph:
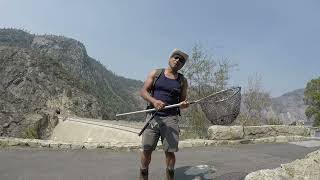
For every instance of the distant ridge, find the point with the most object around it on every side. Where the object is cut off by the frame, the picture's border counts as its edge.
(289, 107)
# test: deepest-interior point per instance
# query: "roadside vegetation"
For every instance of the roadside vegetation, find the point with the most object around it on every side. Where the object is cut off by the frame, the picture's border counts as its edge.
(312, 99)
(255, 101)
(207, 75)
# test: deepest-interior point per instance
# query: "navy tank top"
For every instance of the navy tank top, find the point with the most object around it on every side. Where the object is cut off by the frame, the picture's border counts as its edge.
(168, 91)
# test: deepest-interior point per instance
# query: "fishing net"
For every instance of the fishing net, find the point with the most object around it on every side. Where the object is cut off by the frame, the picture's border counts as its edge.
(223, 107)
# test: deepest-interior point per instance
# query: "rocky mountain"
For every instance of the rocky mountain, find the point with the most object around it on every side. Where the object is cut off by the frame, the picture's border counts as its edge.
(46, 75)
(289, 107)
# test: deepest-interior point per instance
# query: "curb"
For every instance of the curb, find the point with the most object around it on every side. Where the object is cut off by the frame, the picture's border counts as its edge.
(188, 143)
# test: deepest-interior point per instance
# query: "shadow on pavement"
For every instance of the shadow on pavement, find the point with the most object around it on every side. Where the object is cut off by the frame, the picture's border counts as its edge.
(205, 172)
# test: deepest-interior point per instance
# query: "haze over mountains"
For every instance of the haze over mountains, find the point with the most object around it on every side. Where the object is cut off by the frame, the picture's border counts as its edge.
(43, 76)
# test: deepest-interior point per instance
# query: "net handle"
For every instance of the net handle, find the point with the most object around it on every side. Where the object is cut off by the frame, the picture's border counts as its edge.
(153, 109)
(179, 104)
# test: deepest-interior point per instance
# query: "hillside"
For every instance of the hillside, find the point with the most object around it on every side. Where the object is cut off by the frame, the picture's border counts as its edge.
(46, 75)
(289, 107)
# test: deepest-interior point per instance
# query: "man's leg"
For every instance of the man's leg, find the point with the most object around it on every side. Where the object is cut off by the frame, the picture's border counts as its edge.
(145, 161)
(170, 161)
(170, 140)
(150, 139)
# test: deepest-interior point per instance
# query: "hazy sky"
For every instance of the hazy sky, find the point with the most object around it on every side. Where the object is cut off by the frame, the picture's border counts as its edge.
(278, 39)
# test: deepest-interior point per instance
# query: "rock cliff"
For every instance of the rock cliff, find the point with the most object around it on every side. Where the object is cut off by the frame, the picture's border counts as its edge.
(44, 76)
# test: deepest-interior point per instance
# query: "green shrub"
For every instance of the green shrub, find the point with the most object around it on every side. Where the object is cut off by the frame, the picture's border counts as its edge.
(31, 133)
(312, 99)
(274, 121)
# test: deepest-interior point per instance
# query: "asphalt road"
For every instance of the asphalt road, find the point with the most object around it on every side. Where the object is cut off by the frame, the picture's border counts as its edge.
(227, 162)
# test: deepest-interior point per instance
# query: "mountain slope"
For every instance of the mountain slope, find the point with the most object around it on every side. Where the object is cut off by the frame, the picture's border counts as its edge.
(43, 76)
(290, 107)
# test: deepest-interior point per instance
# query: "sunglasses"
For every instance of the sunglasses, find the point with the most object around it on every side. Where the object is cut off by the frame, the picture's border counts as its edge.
(179, 58)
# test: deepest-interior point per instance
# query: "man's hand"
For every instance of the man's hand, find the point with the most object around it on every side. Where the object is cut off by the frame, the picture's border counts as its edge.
(158, 104)
(184, 104)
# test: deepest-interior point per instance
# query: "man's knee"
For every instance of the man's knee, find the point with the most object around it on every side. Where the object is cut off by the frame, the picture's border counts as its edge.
(170, 155)
(146, 155)
(147, 152)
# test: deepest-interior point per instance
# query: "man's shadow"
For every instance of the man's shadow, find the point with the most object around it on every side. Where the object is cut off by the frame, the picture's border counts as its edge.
(204, 172)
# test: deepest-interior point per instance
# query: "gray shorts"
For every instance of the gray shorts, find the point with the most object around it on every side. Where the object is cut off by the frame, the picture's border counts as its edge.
(165, 127)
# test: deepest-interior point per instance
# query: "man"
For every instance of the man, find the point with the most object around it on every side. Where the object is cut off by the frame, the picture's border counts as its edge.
(164, 87)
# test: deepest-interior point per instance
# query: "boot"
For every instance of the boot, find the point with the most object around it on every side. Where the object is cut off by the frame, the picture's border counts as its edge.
(170, 174)
(143, 174)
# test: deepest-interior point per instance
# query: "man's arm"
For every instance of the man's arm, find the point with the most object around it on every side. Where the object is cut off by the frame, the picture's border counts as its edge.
(147, 86)
(183, 96)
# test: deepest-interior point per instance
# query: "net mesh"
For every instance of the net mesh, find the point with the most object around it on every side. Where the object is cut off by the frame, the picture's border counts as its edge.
(222, 108)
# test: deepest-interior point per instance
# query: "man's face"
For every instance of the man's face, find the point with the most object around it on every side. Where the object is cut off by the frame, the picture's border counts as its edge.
(176, 62)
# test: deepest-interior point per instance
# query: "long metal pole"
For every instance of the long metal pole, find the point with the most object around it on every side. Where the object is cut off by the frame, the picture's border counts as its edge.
(152, 110)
